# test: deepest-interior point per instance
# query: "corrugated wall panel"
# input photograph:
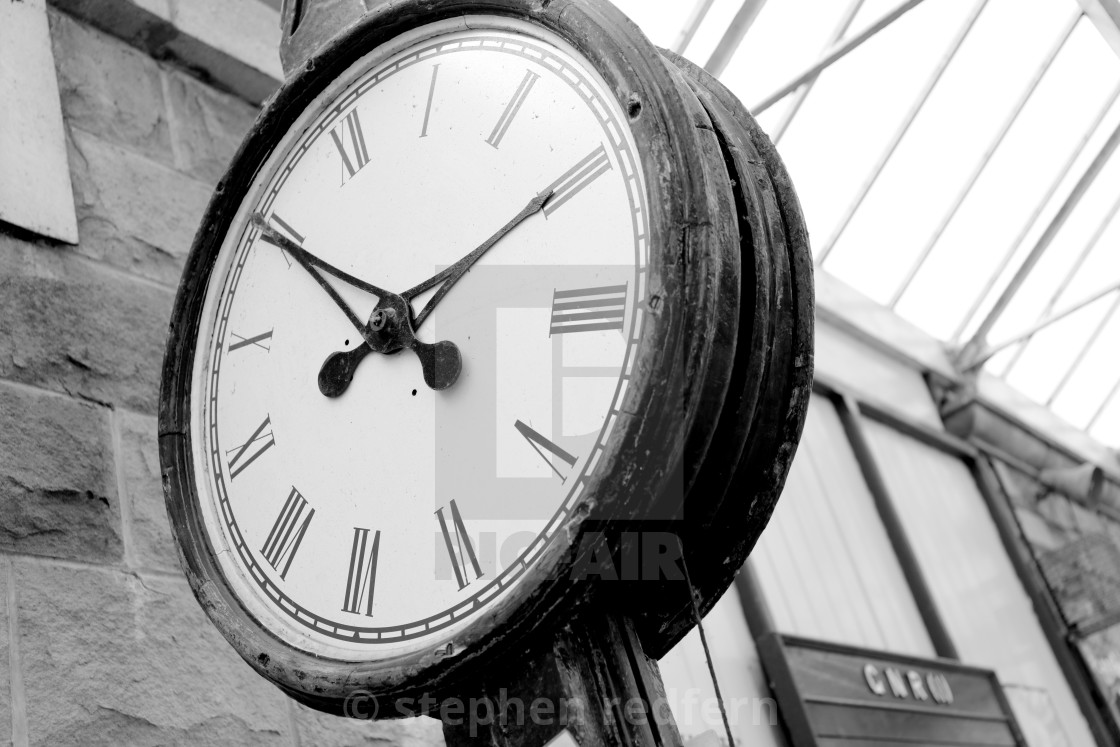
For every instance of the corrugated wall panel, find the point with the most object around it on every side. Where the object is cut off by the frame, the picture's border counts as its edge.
(825, 563)
(980, 597)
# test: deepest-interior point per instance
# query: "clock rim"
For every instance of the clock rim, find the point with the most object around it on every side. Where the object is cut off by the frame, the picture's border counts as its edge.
(667, 358)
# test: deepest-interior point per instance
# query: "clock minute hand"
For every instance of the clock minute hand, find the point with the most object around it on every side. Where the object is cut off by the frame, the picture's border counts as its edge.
(451, 275)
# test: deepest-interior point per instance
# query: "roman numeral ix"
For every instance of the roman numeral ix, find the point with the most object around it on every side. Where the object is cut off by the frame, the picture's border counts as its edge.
(459, 549)
(538, 442)
(512, 108)
(248, 452)
(356, 156)
(287, 533)
(588, 309)
(363, 573)
(594, 165)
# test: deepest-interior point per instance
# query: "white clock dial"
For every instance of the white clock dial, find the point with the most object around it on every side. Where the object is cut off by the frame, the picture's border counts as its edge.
(383, 520)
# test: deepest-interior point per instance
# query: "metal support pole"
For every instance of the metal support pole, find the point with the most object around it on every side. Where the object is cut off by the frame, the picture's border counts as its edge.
(984, 356)
(903, 128)
(1104, 405)
(976, 344)
(804, 91)
(733, 37)
(1009, 253)
(834, 54)
(1084, 350)
(985, 159)
(896, 533)
(1070, 275)
(695, 18)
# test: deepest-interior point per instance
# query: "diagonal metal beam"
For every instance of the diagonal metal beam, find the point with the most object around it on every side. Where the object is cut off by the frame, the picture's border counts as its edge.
(903, 128)
(977, 343)
(985, 159)
(1070, 275)
(835, 53)
(1104, 405)
(804, 91)
(986, 355)
(1009, 253)
(1084, 350)
(733, 37)
(695, 18)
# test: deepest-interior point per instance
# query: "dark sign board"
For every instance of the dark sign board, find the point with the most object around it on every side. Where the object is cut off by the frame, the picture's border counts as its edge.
(832, 695)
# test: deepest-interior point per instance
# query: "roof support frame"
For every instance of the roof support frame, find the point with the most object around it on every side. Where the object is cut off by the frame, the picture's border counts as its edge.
(1072, 367)
(695, 19)
(986, 354)
(804, 91)
(733, 37)
(1078, 263)
(1009, 253)
(834, 54)
(973, 349)
(985, 159)
(903, 128)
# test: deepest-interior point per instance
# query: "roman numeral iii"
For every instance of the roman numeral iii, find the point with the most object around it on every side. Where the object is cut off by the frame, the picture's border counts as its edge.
(287, 533)
(363, 573)
(538, 442)
(261, 441)
(588, 309)
(459, 549)
(351, 145)
(576, 179)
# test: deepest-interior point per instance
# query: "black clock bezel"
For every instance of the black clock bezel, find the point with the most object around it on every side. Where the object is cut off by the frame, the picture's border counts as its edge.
(647, 445)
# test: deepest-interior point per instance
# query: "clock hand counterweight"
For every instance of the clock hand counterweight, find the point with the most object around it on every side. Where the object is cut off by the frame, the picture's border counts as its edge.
(338, 370)
(388, 331)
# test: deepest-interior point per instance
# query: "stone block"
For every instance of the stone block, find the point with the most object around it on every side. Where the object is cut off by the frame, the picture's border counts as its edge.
(133, 212)
(323, 730)
(57, 488)
(149, 530)
(72, 326)
(209, 126)
(112, 658)
(110, 89)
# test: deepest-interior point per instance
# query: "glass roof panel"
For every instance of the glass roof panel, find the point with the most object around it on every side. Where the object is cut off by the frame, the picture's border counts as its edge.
(933, 207)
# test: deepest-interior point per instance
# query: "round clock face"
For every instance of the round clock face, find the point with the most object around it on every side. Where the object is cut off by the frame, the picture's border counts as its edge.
(387, 517)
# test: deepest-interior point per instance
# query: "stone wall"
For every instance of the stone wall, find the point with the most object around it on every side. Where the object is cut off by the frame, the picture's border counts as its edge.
(101, 641)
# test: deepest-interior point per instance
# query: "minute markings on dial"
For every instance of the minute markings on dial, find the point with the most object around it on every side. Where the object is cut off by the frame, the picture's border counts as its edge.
(460, 549)
(363, 572)
(512, 108)
(287, 533)
(357, 155)
(537, 441)
(239, 461)
(576, 179)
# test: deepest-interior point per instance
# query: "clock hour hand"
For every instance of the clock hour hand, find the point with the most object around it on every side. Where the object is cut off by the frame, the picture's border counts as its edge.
(451, 275)
(388, 330)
